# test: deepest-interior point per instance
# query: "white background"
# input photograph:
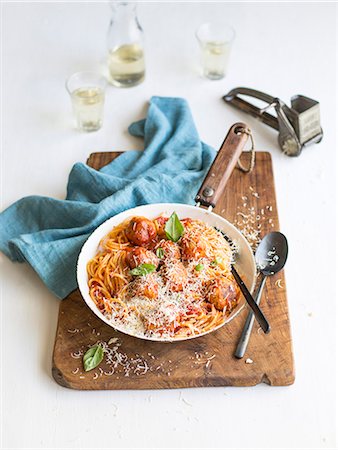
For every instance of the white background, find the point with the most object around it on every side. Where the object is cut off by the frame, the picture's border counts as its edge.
(282, 49)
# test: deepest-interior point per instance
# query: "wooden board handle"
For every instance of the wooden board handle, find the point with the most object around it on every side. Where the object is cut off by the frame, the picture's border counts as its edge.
(223, 165)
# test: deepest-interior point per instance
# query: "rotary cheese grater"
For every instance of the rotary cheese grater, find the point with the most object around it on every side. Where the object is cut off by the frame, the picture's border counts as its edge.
(298, 126)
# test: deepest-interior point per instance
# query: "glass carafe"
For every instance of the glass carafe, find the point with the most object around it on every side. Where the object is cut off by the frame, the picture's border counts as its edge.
(125, 46)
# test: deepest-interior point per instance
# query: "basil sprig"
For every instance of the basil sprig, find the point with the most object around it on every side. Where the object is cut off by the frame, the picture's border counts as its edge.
(93, 357)
(160, 252)
(143, 269)
(216, 261)
(199, 267)
(174, 228)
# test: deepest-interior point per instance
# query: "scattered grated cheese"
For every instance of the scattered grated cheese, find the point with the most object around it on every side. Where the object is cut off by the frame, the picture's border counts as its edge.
(115, 410)
(248, 361)
(117, 362)
(279, 283)
(249, 221)
(121, 362)
(185, 401)
(77, 355)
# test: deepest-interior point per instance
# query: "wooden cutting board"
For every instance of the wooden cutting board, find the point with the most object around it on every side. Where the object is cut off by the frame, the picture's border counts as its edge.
(249, 201)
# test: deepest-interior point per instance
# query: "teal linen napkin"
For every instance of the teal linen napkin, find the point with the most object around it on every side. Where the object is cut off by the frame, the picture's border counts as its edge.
(49, 233)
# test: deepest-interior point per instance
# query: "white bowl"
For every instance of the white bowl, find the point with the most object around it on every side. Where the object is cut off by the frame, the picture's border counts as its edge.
(245, 263)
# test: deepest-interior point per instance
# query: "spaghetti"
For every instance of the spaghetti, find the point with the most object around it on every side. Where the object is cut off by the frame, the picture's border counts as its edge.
(163, 278)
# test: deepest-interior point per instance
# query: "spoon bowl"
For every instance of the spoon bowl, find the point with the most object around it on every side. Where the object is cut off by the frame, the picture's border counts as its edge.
(272, 253)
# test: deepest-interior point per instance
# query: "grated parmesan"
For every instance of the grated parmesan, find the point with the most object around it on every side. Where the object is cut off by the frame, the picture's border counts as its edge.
(279, 283)
(249, 221)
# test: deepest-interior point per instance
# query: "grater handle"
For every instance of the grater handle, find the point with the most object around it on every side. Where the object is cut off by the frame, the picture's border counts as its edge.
(233, 99)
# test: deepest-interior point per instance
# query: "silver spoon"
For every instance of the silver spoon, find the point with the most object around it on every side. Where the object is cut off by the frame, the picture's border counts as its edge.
(271, 256)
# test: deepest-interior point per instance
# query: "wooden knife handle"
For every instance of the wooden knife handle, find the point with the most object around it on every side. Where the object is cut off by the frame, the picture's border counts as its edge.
(223, 165)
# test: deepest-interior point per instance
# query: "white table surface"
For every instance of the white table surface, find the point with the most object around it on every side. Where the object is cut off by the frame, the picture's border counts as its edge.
(282, 49)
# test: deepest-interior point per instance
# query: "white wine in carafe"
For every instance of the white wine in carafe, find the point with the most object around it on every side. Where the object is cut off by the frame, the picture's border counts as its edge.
(126, 65)
(125, 44)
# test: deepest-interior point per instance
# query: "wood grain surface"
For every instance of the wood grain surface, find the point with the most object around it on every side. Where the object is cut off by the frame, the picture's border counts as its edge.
(205, 361)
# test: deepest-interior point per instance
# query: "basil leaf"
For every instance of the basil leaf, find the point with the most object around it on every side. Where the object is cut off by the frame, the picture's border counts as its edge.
(93, 357)
(216, 261)
(143, 269)
(174, 228)
(199, 267)
(160, 252)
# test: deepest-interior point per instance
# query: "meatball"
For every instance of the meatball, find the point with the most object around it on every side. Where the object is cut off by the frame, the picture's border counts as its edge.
(193, 247)
(146, 287)
(171, 251)
(221, 293)
(161, 221)
(141, 231)
(175, 275)
(139, 255)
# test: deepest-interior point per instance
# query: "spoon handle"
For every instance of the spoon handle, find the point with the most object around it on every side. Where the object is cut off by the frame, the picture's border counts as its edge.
(245, 336)
(253, 305)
